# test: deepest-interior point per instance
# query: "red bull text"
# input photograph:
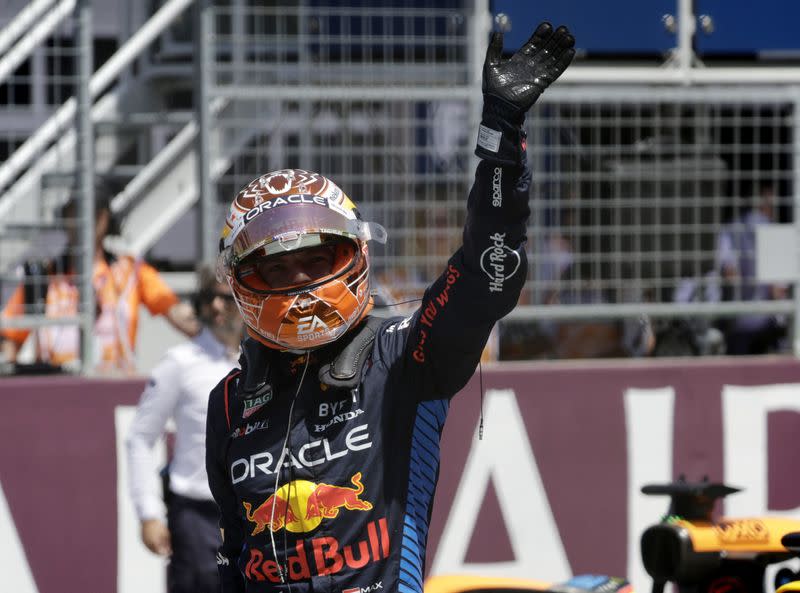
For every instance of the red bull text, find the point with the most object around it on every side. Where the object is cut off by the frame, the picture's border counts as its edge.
(323, 556)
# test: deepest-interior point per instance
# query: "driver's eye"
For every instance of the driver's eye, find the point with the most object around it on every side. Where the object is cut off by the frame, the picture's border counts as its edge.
(271, 269)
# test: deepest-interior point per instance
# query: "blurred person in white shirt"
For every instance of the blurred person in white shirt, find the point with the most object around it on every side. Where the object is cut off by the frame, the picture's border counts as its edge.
(181, 520)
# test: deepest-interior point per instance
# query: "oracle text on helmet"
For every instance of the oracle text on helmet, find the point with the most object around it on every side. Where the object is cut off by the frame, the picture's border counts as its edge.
(283, 201)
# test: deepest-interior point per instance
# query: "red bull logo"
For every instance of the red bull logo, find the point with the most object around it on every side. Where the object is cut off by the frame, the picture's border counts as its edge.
(322, 556)
(273, 512)
(300, 506)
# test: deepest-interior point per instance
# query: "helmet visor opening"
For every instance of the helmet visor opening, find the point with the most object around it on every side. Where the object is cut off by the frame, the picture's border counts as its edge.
(321, 259)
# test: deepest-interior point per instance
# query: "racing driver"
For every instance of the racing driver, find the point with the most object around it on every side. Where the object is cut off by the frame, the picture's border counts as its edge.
(322, 451)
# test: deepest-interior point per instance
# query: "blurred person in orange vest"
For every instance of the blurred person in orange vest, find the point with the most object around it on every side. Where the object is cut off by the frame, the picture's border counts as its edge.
(121, 283)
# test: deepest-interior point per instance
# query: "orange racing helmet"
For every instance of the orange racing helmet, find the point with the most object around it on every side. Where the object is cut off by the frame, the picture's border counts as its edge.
(286, 211)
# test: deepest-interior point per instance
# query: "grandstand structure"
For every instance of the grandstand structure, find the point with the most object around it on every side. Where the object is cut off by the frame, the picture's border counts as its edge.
(642, 155)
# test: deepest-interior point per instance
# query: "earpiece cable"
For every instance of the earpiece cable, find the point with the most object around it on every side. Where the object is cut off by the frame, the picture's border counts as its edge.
(278, 471)
(480, 380)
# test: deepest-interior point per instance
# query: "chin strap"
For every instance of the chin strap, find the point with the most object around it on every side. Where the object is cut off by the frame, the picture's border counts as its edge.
(345, 370)
(255, 383)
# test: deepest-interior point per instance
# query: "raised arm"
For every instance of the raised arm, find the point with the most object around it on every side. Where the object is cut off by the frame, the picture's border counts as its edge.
(483, 279)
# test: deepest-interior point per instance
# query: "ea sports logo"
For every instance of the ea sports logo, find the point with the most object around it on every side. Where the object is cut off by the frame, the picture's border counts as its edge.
(310, 325)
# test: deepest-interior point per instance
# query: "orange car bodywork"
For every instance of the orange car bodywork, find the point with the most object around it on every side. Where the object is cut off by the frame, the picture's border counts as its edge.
(750, 535)
(463, 583)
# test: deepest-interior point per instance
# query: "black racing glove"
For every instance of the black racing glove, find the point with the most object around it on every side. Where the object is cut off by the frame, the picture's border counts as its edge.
(511, 87)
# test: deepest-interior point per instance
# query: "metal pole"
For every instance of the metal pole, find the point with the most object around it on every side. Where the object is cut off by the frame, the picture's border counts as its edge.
(239, 15)
(686, 29)
(85, 181)
(33, 37)
(22, 23)
(304, 152)
(206, 235)
(480, 23)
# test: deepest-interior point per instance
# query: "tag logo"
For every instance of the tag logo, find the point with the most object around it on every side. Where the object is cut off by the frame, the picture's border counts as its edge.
(251, 406)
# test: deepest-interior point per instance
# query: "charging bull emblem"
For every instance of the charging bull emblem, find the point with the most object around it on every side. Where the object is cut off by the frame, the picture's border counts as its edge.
(301, 505)
(326, 500)
(273, 512)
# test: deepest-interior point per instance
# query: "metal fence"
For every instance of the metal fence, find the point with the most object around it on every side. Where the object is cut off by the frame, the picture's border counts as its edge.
(49, 176)
(381, 99)
(636, 189)
(644, 195)
(42, 238)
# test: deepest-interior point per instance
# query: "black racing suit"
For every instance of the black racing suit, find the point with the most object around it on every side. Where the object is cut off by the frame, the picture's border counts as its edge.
(355, 489)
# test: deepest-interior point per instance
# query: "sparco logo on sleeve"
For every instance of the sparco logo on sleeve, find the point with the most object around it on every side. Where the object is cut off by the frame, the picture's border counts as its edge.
(499, 261)
(497, 190)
